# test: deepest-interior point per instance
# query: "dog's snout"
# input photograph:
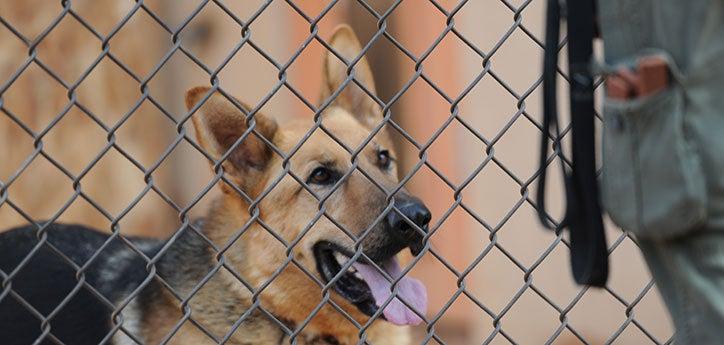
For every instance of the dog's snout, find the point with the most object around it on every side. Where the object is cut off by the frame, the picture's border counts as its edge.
(414, 210)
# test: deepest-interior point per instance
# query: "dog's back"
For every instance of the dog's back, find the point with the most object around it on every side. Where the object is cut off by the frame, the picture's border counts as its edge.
(76, 307)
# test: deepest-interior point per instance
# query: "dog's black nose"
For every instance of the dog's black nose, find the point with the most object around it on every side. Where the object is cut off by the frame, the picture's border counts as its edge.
(413, 209)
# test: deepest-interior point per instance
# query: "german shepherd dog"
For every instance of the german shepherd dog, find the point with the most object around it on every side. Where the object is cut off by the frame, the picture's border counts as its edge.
(242, 279)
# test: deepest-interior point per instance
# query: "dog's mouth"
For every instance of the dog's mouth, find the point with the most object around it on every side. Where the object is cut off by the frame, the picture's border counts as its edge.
(367, 288)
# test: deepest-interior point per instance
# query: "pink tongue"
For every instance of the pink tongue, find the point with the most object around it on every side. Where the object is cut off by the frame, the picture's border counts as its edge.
(409, 289)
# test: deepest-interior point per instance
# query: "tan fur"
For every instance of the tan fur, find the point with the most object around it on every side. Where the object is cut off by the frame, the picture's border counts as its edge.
(287, 208)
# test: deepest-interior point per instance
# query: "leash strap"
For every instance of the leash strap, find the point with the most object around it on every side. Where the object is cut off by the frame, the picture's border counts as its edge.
(589, 252)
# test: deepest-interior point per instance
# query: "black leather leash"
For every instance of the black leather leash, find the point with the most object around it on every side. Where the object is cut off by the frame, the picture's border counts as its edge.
(589, 252)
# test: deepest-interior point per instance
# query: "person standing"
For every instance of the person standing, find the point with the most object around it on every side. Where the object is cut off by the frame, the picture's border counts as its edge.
(663, 149)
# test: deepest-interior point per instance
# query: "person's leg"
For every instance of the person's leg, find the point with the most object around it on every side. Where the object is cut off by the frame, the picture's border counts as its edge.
(689, 272)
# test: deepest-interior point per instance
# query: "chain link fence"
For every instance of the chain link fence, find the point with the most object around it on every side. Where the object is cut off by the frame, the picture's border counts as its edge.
(32, 143)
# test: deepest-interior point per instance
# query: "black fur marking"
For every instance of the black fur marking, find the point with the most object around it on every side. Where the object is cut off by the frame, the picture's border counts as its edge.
(190, 257)
(325, 339)
(289, 324)
(47, 279)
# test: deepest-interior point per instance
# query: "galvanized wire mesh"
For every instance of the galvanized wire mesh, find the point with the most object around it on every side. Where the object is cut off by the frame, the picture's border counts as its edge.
(246, 39)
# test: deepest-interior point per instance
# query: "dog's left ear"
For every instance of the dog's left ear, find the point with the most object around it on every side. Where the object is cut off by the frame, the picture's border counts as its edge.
(353, 99)
(219, 123)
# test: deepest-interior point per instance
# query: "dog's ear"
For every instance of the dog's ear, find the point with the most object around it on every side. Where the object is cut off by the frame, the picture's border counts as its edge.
(353, 99)
(219, 124)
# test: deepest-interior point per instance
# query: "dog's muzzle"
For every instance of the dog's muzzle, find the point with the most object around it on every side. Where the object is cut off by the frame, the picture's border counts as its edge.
(368, 287)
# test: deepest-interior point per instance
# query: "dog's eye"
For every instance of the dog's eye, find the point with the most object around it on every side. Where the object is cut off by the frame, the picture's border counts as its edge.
(384, 159)
(321, 175)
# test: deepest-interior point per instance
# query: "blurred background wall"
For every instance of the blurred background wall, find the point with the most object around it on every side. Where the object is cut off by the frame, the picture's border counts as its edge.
(113, 155)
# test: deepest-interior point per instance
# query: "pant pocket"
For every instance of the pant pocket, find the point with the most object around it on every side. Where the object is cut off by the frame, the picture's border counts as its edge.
(652, 182)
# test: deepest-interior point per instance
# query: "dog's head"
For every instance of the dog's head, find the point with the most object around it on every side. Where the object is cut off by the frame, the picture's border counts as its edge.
(325, 193)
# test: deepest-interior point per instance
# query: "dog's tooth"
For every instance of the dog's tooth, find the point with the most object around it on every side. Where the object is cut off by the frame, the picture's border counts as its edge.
(341, 259)
(353, 271)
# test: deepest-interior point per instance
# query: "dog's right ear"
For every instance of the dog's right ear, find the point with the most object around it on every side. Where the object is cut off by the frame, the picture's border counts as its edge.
(219, 124)
(352, 98)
